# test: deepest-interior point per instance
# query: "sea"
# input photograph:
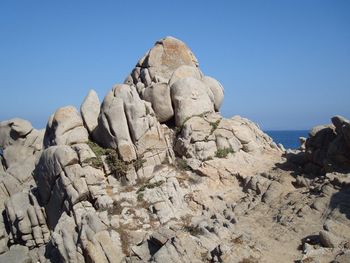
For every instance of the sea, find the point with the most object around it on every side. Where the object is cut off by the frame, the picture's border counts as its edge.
(289, 139)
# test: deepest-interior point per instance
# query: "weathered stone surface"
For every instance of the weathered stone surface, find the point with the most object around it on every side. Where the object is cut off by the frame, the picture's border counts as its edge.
(99, 244)
(166, 56)
(210, 135)
(90, 109)
(13, 130)
(328, 239)
(327, 148)
(65, 239)
(129, 125)
(18, 254)
(65, 127)
(168, 62)
(20, 132)
(182, 248)
(16, 154)
(228, 195)
(22, 171)
(158, 95)
(167, 200)
(50, 166)
(27, 220)
(112, 130)
(217, 90)
(190, 98)
(185, 71)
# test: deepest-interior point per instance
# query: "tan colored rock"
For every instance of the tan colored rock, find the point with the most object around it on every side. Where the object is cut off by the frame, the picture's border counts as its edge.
(217, 90)
(158, 95)
(190, 98)
(112, 130)
(65, 127)
(185, 71)
(90, 109)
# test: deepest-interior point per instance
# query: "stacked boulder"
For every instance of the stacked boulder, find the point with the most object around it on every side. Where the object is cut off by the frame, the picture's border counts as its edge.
(95, 184)
(20, 146)
(327, 149)
(168, 77)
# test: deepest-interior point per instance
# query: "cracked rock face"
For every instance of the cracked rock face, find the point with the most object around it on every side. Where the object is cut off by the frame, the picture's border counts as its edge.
(168, 76)
(156, 174)
(65, 127)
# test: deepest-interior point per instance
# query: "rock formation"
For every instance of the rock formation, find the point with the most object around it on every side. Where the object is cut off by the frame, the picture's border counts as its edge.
(155, 174)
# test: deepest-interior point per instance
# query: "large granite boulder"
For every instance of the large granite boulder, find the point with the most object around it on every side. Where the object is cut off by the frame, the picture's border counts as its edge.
(217, 90)
(209, 135)
(112, 130)
(19, 131)
(167, 63)
(190, 98)
(128, 123)
(90, 109)
(18, 254)
(327, 148)
(65, 127)
(27, 220)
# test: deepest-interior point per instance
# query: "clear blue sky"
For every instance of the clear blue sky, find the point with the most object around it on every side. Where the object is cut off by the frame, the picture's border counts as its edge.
(283, 64)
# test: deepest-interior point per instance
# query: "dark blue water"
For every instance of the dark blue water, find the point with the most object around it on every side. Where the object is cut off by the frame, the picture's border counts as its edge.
(289, 139)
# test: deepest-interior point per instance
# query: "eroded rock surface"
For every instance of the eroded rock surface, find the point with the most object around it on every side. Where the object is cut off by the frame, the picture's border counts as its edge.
(168, 76)
(156, 174)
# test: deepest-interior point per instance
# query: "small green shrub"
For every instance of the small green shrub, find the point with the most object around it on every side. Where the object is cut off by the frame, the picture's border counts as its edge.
(208, 158)
(182, 164)
(214, 125)
(115, 165)
(118, 167)
(140, 197)
(194, 231)
(149, 186)
(97, 149)
(96, 162)
(222, 153)
(138, 164)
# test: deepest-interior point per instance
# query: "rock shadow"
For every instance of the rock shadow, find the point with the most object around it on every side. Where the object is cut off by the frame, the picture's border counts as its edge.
(341, 201)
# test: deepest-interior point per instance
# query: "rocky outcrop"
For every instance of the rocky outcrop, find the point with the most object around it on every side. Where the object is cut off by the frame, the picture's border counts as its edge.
(20, 132)
(90, 109)
(327, 149)
(209, 135)
(168, 76)
(65, 127)
(156, 174)
(27, 220)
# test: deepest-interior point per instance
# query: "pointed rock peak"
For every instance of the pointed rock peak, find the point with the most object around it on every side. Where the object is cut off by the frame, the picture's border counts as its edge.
(167, 63)
(169, 52)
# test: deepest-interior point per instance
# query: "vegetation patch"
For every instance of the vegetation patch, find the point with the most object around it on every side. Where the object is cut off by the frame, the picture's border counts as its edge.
(182, 164)
(97, 149)
(188, 227)
(116, 166)
(96, 162)
(140, 197)
(214, 125)
(149, 186)
(138, 164)
(194, 231)
(222, 153)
